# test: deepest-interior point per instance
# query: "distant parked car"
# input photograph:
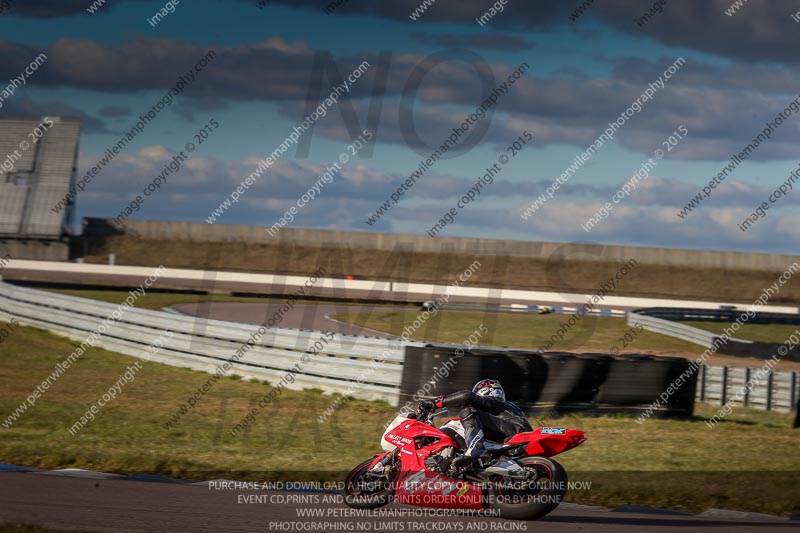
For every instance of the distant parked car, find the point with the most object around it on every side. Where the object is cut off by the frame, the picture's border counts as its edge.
(545, 310)
(728, 307)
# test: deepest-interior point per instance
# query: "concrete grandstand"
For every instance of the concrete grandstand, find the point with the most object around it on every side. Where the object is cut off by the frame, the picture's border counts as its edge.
(38, 166)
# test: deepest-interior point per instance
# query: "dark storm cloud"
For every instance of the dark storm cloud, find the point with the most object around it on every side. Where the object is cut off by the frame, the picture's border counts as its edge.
(748, 77)
(721, 106)
(16, 57)
(57, 8)
(113, 111)
(492, 41)
(188, 108)
(24, 106)
(273, 69)
(560, 111)
(143, 63)
(760, 30)
(529, 15)
(49, 8)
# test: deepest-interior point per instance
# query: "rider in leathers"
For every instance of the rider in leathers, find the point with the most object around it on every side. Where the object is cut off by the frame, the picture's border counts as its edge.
(484, 413)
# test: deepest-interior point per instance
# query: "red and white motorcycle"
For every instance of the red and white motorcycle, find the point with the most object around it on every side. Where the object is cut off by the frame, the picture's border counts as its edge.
(517, 480)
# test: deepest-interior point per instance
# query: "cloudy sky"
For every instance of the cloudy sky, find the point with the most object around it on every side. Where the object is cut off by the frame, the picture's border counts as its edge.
(275, 63)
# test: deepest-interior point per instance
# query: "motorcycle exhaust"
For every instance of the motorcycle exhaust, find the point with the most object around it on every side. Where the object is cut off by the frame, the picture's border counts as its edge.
(506, 469)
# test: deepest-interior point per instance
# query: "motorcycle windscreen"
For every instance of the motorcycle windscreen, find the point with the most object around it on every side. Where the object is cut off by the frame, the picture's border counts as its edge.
(385, 444)
(429, 489)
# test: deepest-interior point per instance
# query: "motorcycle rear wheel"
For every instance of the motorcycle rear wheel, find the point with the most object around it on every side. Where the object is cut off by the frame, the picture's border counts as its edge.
(531, 503)
(365, 491)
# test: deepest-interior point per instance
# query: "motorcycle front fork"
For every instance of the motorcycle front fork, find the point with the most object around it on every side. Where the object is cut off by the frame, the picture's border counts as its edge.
(381, 465)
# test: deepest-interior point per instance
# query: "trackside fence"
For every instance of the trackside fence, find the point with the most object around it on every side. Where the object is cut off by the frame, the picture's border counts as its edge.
(397, 371)
(203, 344)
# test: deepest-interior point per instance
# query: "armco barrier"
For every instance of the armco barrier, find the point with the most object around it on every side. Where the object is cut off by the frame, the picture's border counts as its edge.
(664, 320)
(203, 344)
(687, 314)
(553, 382)
(549, 382)
(673, 329)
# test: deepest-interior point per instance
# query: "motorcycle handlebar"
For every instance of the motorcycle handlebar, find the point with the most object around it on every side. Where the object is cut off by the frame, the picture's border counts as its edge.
(424, 414)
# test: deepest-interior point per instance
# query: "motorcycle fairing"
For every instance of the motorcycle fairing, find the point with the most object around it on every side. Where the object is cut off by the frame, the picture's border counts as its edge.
(548, 441)
(418, 485)
(431, 489)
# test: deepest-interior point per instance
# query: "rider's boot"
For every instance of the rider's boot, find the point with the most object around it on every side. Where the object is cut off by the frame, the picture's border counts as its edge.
(475, 447)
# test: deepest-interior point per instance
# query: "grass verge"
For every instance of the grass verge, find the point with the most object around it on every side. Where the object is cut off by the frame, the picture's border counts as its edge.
(518, 330)
(526, 331)
(657, 463)
(530, 331)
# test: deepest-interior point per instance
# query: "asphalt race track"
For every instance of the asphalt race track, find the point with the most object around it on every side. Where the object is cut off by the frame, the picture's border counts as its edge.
(303, 316)
(210, 283)
(103, 502)
(95, 503)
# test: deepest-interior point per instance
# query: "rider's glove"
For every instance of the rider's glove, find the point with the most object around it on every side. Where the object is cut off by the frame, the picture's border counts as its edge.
(424, 407)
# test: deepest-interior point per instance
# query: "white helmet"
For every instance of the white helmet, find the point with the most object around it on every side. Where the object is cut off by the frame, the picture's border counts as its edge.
(490, 388)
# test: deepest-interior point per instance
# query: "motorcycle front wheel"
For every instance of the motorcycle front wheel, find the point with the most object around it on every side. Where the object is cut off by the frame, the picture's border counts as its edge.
(366, 490)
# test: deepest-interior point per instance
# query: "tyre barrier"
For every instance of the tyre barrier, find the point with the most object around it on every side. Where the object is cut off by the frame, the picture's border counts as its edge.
(553, 382)
(398, 372)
